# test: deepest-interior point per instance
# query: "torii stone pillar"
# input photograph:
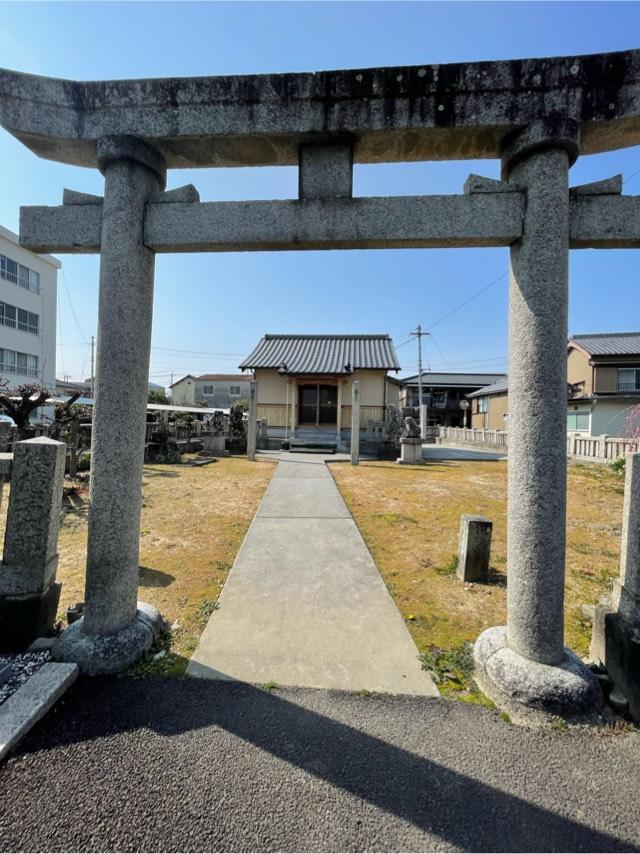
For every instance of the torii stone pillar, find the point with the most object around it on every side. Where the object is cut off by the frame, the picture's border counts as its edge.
(252, 425)
(527, 660)
(116, 628)
(355, 422)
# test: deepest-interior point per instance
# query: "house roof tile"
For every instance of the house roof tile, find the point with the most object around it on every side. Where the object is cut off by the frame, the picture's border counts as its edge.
(323, 354)
(609, 343)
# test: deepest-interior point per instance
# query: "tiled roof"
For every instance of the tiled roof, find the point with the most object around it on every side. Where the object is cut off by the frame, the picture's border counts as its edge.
(609, 343)
(431, 378)
(223, 378)
(323, 354)
(496, 388)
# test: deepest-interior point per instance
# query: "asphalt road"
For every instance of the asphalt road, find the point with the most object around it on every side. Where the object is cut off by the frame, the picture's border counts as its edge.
(133, 765)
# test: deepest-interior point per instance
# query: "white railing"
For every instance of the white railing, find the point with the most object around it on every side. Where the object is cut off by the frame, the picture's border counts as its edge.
(6, 368)
(594, 448)
(27, 327)
(18, 324)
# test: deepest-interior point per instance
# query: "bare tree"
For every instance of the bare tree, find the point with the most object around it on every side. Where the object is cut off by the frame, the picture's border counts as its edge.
(21, 401)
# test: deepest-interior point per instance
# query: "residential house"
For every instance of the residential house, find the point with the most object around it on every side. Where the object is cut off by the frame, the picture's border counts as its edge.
(603, 375)
(490, 406)
(64, 388)
(218, 391)
(442, 394)
(603, 370)
(304, 382)
(28, 302)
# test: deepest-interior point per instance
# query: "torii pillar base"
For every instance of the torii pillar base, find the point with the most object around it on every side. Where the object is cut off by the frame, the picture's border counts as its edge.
(98, 655)
(532, 692)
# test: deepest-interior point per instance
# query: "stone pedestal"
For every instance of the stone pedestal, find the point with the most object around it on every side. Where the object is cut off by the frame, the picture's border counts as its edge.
(133, 172)
(411, 451)
(355, 422)
(474, 549)
(214, 445)
(29, 594)
(528, 662)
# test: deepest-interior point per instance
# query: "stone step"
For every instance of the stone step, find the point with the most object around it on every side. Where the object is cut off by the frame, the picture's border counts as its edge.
(312, 446)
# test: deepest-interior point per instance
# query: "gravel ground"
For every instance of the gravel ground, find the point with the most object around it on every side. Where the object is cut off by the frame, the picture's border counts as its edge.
(190, 765)
(23, 667)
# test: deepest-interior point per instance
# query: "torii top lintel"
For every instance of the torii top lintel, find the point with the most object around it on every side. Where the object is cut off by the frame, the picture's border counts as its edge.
(430, 112)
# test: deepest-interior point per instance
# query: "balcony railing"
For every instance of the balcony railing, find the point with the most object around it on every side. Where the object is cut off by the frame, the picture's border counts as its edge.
(19, 324)
(28, 327)
(22, 281)
(628, 387)
(8, 368)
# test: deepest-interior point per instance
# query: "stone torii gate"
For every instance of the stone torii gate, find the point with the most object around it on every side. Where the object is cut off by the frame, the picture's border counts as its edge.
(537, 115)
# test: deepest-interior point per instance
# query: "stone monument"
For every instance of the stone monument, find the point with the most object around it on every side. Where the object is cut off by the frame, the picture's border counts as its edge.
(616, 630)
(29, 593)
(411, 444)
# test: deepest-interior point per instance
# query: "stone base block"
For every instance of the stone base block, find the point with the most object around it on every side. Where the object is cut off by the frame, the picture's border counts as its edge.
(623, 659)
(103, 654)
(25, 618)
(568, 690)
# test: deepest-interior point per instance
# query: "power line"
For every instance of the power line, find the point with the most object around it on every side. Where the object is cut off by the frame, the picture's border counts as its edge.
(73, 311)
(194, 352)
(408, 341)
(444, 358)
(467, 301)
(633, 175)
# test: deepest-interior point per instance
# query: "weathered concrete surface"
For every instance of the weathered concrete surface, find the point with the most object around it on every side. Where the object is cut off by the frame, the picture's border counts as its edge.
(98, 654)
(411, 222)
(626, 590)
(566, 689)
(426, 112)
(616, 626)
(252, 425)
(326, 170)
(32, 701)
(30, 557)
(474, 548)
(305, 604)
(355, 422)
(315, 498)
(537, 472)
(197, 765)
(124, 340)
(328, 223)
(411, 451)
(29, 594)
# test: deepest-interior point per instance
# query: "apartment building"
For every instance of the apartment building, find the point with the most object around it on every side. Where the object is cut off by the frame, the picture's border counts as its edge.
(28, 299)
(218, 391)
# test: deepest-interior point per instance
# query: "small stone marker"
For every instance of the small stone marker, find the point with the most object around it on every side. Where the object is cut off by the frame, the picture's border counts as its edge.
(28, 591)
(474, 548)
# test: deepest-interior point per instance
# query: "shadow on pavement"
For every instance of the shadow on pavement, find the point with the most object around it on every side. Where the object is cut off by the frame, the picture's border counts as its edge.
(461, 810)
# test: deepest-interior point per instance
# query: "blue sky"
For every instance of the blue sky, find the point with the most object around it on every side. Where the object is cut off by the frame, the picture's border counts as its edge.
(211, 309)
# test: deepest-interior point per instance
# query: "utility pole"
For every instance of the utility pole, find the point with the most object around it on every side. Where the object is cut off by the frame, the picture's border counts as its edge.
(93, 340)
(419, 333)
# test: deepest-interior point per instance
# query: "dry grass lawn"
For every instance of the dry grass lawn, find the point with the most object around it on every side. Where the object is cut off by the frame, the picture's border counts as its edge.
(410, 519)
(193, 523)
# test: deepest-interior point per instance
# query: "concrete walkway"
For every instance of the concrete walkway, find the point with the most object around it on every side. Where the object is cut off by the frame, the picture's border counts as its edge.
(304, 603)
